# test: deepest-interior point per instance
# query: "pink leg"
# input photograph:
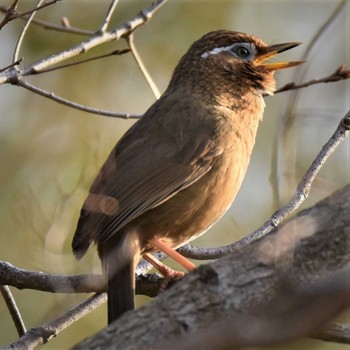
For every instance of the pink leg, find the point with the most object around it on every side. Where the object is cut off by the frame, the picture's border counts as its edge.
(188, 265)
(166, 271)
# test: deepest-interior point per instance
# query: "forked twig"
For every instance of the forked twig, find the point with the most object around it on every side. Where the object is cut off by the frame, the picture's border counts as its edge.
(45, 24)
(130, 40)
(9, 13)
(42, 334)
(108, 15)
(24, 29)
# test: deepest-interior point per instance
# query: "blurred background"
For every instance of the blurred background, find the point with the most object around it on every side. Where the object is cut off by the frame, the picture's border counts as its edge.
(50, 153)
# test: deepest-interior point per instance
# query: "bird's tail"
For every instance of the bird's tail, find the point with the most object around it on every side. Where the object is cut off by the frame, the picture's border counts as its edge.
(119, 261)
(121, 292)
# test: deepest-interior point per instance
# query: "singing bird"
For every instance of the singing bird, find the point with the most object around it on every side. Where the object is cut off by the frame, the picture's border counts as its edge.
(177, 170)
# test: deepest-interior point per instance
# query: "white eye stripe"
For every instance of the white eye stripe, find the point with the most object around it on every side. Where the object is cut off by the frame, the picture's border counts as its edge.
(216, 51)
(233, 49)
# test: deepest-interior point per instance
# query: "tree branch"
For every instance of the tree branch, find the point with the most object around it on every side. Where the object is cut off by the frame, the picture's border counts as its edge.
(245, 281)
(86, 283)
(341, 73)
(75, 105)
(42, 334)
(300, 195)
(83, 47)
(108, 15)
(24, 30)
(44, 24)
(13, 309)
(142, 67)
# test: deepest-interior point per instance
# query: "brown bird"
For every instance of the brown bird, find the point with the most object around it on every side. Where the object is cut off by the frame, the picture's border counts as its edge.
(177, 170)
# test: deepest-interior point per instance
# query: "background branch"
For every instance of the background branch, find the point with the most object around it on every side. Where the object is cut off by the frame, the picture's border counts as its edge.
(283, 170)
(13, 309)
(300, 195)
(130, 40)
(24, 30)
(46, 25)
(42, 334)
(108, 15)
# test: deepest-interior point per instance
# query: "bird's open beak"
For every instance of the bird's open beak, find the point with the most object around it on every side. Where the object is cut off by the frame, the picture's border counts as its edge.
(272, 51)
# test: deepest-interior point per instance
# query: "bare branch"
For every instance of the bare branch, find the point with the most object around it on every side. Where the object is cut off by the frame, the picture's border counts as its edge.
(86, 283)
(13, 309)
(72, 104)
(42, 334)
(113, 53)
(49, 25)
(108, 15)
(300, 195)
(13, 76)
(16, 63)
(335, 332)
(341, 73)
(130, 40)
(16, 15)
(24, 30)
(9, 13)
(46, 282)
(283, 165)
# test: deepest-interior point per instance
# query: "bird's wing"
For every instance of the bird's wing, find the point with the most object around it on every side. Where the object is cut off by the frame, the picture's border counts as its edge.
(140, 174)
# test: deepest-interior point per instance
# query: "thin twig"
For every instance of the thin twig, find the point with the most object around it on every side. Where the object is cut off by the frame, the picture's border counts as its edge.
(341, 73)
(108, 16)
(13, 309)
(9, 13)
(113, 53)
(11, 65)
(40, 335)
(300, 195)
(284, 155)
(130, 40)
(49, 25)
(24, 30)
(75, 105)
(35, 9)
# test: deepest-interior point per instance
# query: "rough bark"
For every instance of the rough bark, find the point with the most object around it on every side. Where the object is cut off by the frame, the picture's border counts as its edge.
(309, 246)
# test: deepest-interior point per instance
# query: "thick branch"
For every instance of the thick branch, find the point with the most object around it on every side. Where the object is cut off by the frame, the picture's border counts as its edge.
(313, 244)
(23, 279)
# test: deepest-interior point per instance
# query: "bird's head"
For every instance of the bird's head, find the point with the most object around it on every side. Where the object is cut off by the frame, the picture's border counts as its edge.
(232, 60)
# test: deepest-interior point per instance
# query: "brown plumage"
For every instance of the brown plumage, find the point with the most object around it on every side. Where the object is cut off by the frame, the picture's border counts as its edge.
(177, 170)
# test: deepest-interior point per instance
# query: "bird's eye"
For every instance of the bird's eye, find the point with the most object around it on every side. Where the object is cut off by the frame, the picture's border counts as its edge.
(242, 51)
(245, 51)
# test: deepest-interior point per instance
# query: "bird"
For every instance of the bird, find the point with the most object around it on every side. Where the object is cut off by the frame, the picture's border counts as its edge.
(177, 170)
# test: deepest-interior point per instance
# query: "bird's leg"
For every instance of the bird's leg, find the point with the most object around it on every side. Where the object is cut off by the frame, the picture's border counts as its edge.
(168, 273)
(165, 270)
(157, 243)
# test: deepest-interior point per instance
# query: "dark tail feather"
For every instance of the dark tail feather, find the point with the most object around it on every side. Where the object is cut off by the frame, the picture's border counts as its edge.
(121, 291)
(120, 255)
